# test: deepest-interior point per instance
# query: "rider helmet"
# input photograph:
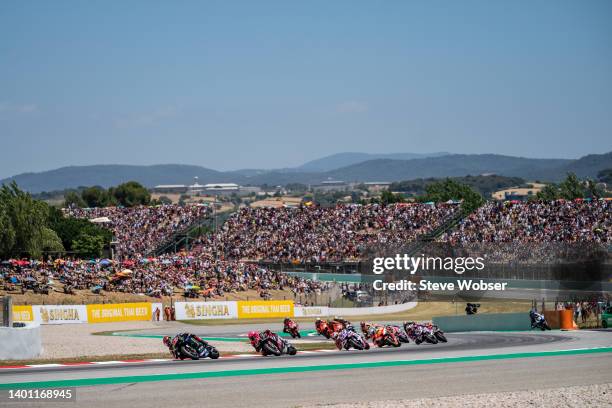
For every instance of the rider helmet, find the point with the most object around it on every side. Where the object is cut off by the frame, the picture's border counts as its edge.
(253, 335)
(166, 341)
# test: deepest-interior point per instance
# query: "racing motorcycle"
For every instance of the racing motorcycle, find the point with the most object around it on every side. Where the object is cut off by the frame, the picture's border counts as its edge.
(323, 328)
(292, 328)
(327, 328)
(194, 348)
(348, 339)
(385, 336)
(418, 334)
(273, 344)
(438, 334)
(538, 321)
(400, 333)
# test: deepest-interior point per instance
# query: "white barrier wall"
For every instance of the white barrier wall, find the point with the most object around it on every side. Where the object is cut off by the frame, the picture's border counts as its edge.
(205, 310)
(306, 311)
(60, 314)
(20, 343)
(358, 311)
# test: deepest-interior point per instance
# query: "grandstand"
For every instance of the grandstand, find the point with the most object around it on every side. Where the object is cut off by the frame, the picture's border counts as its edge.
(168, 248)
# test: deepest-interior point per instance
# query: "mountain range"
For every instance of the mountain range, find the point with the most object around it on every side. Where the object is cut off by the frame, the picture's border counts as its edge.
(359, 167)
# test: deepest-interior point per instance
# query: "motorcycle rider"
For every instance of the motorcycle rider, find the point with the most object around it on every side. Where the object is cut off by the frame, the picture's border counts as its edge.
(175, 346)
(319, 323)
(336, 337)
(535, 318)
(342, 321)
(368, 329)
(286, 323)
(378, 335)
(255, 339)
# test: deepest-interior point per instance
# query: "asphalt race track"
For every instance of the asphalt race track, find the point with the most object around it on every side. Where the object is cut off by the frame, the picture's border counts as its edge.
(469, 363)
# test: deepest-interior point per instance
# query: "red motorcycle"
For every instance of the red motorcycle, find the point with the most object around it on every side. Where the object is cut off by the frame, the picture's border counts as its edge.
(383, 336)
(273, 344)
(323, 328)
(292, 328)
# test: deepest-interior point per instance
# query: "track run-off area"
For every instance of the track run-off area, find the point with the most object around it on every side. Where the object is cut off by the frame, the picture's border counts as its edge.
(471, 362)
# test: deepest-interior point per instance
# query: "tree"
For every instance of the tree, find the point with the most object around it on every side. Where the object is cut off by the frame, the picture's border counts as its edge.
(550, 192)
(88, 246)
(24, 219)
(164, 200)
(97, 197)
(571, 188)
(448, 189)
(51, 242)
(7, 232)
(67, 228)
(593, 190)
(73, 199)
(388, 197)
(605, 176)
(131, 194)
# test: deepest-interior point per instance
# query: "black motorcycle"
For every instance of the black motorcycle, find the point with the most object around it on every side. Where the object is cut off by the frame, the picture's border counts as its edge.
(195, 348)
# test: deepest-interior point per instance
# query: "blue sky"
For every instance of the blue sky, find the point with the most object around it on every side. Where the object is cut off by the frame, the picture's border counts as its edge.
(268, 84)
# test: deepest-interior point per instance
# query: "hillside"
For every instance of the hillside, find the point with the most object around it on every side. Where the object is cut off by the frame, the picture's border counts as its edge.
(338, 160)
(112, 174)
(456, 165)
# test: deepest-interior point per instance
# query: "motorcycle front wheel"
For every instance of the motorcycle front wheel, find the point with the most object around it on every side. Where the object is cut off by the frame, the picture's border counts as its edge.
(213, 353)
(431, 339)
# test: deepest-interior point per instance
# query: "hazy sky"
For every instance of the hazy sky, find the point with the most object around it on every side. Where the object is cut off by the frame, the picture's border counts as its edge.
(265, 84)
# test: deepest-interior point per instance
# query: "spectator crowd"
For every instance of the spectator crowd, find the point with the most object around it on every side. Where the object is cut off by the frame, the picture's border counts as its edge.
(140, 230)
(186, 272)
(317, 234)
(226, 261)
